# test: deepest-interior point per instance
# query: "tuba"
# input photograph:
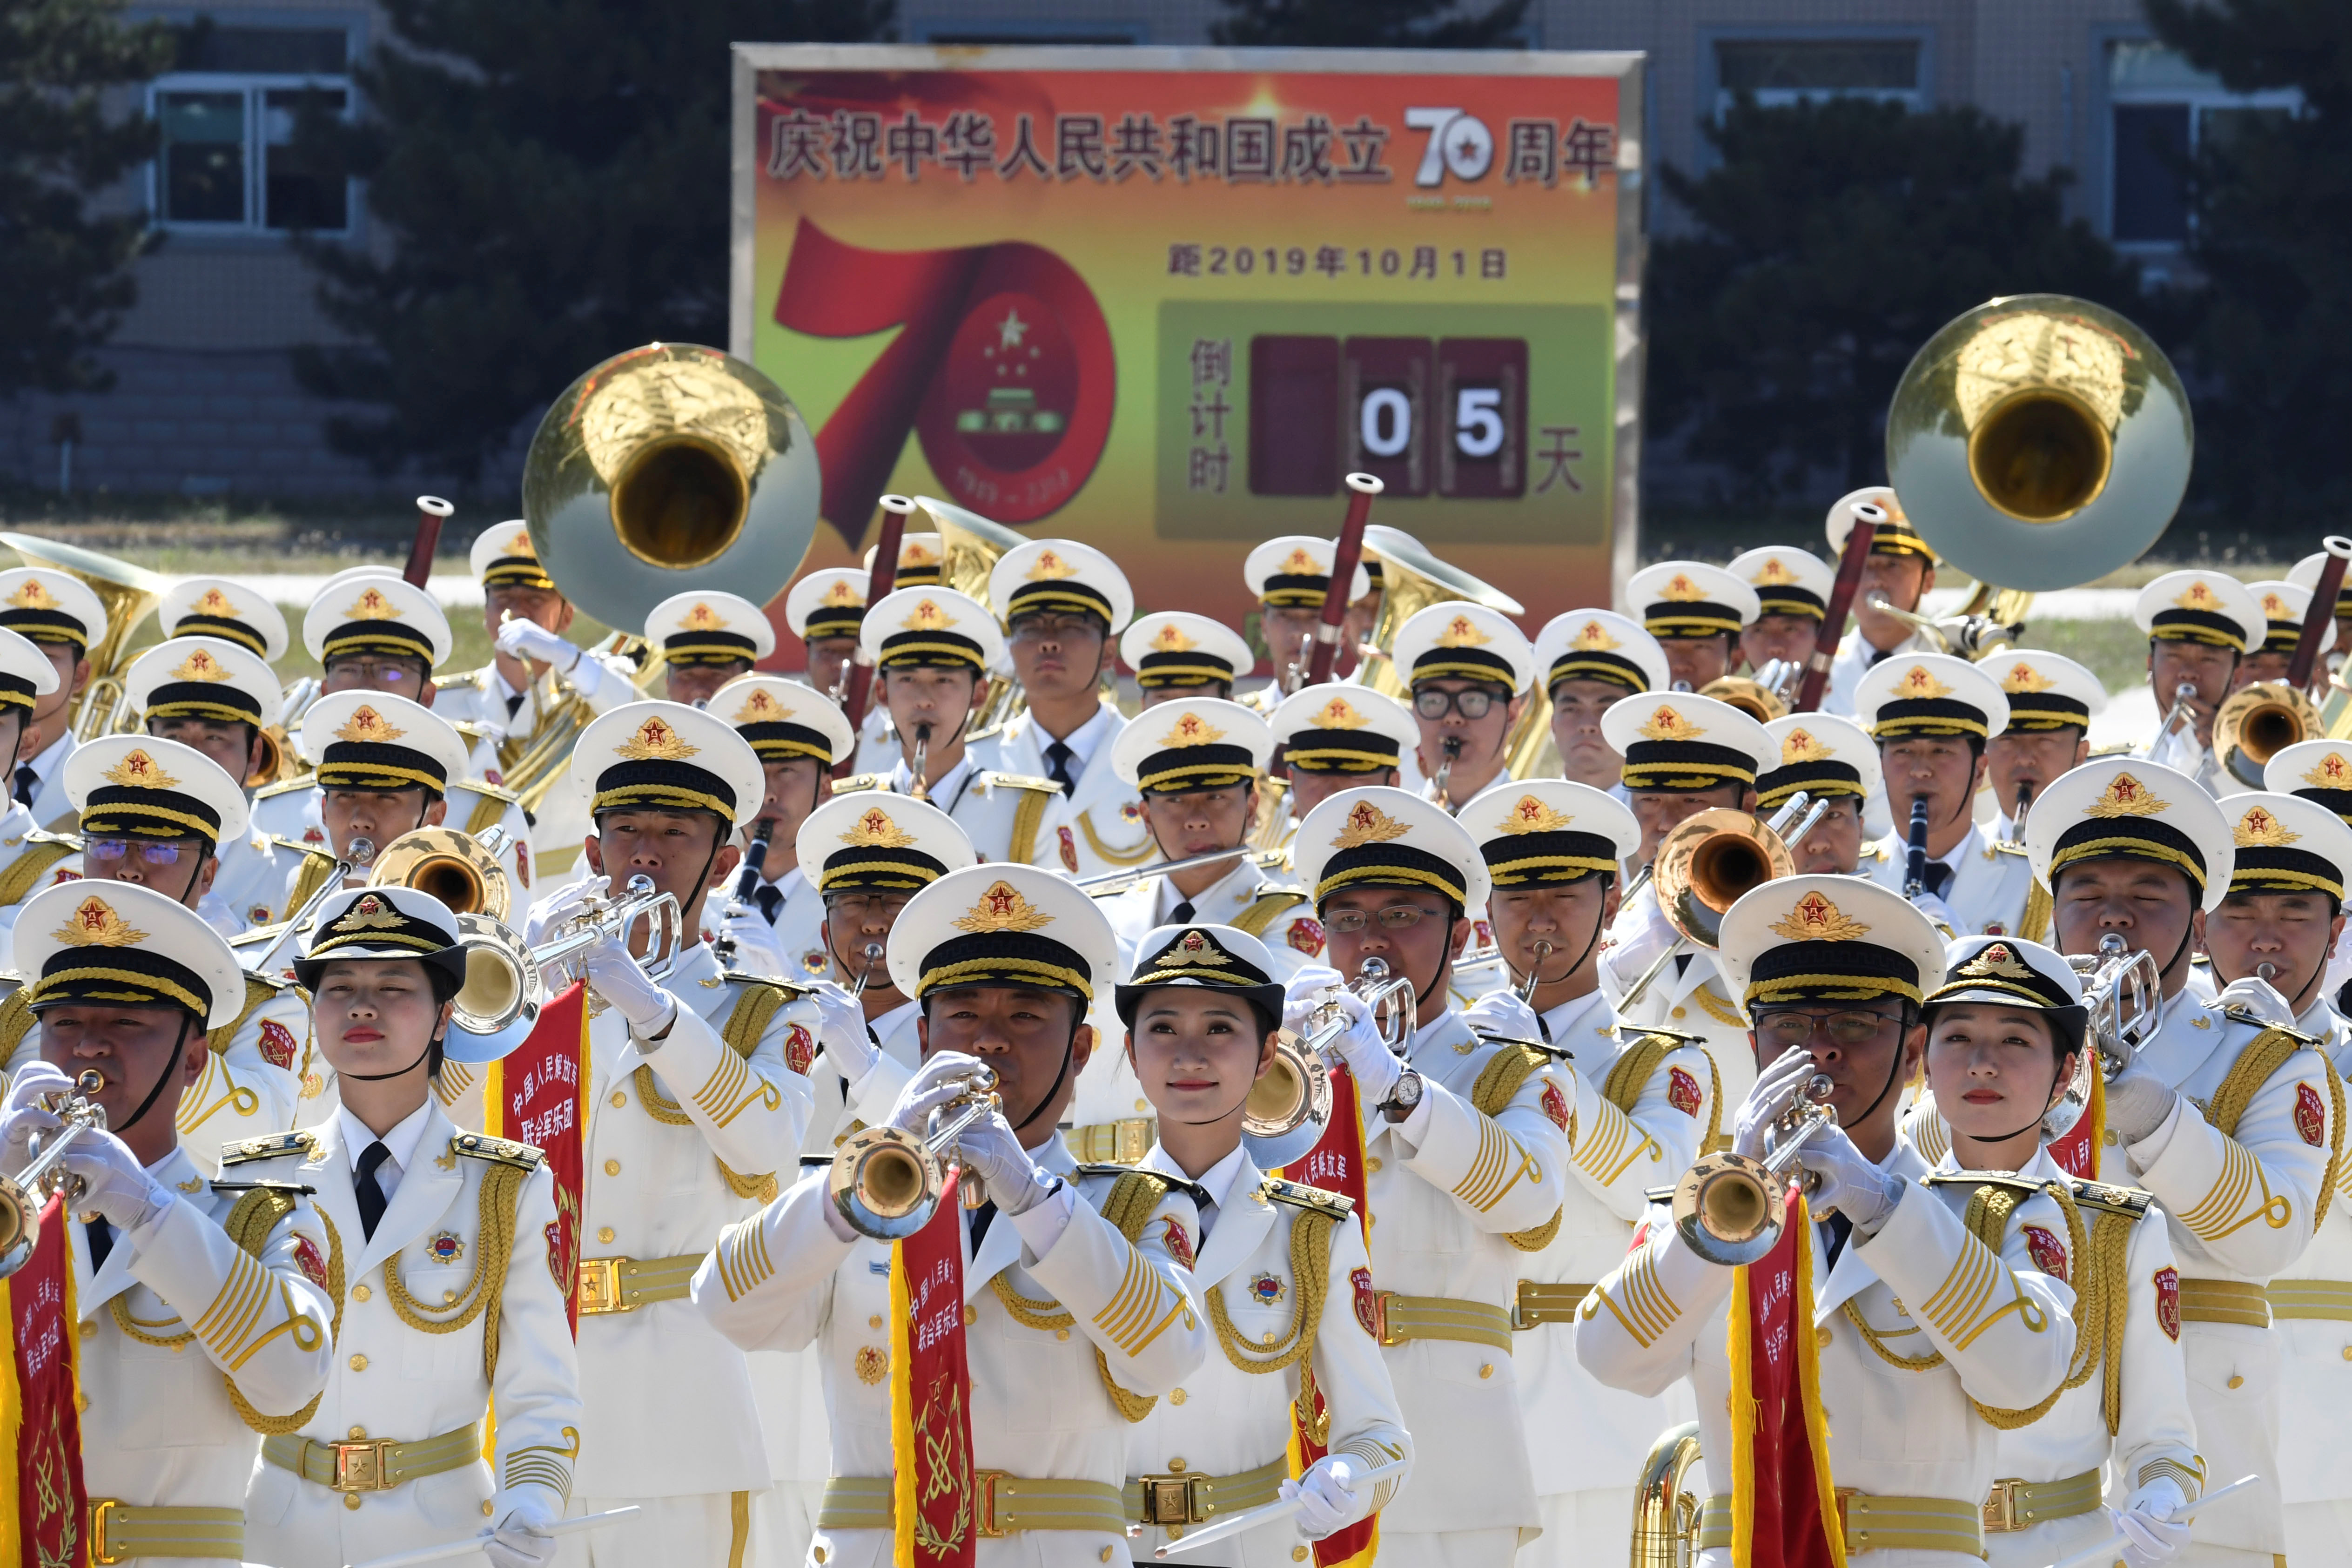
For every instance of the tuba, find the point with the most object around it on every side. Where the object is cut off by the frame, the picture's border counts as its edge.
(461, 869)
(129, 594)
(972, 546)
(2258, 723)
(1665, 1514)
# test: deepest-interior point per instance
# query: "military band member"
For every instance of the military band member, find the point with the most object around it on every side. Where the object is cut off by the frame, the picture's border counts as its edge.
(127, 983)
(1591, 660)
(2284, 915)
(1291, 576)
(1070, 1319)
(1176, 654)
(60, 616)
(799, 735)
(1469, 670)
(2283, 605)
(1644, 1105)
(705, 640)
(1278, 1270)
(1792, 597)
(824, 610)
(2051, 701)
(1900, 569)
(2004, 1033)
(1466, 1144)
(221, 607)
(446, 1245)
(2199, 625)
(1062, 604)
(932, 650)
(2230, 1122)
(700, 1100)
(922, 560)
(151, 813)
(2320, 771)
(1696, 612)
(2304, 574)
(1931, 716)
(1336, 737)
(27, 678)
(526, 615)
(1832, 971)
(1832, 761)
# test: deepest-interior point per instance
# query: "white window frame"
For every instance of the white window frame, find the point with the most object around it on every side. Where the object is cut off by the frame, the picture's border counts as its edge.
(2198, 101)
(255, 87)
(1918, 96)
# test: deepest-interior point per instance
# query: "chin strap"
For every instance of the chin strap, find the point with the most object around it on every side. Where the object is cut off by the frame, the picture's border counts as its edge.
(1068, 1051)
(179, 1047)
(1894, 1069)
(403, 1072)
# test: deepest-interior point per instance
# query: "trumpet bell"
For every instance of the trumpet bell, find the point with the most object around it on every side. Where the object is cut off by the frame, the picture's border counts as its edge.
(1708, 862)
(2258, 723)
(1753, 697)
(665, 469)
(453, 867)
(1288, 1107)
(20, 1224)
(498, 1004)
(2038, 441)
(886, 1183)
(1728, 1208)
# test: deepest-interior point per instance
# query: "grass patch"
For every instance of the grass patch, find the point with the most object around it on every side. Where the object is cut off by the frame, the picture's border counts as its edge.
(2113, 650)
(469, 640)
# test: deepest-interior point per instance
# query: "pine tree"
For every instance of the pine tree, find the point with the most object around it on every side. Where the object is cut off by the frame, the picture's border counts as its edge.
(1373, 24)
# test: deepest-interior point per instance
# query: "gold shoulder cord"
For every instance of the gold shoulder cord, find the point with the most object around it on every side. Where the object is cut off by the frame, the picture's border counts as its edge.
(15, 1021)
(2033, 925)
(501, 1196)
(1132, 1198)
(28, 868)
(2263, 1056)
(312, 875)
(1121, 858)
(1261, 915)
(1498, 1083)
(754, 1006)
(1027, 816)
(1310, 1266)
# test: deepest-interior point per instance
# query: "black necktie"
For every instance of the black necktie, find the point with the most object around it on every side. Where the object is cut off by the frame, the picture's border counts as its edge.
(1877, 654)
(365, 1188)
(1840, 1228)
(1058, 763)
(981, 1217)
(1937, 876)
(101, 1243)
(771, 898)
(514, 705)
(1182, 914)
(28, 783)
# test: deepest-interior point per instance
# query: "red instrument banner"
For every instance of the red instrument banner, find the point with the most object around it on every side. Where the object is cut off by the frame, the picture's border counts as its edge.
(1337, 1165)
(1783, 1503)
(539, 1096)
(43, 1503)
(932, 1494)
(2076, 1149)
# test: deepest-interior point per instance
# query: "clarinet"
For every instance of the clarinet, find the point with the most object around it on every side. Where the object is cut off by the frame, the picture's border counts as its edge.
(738, 899)
(1914, 875)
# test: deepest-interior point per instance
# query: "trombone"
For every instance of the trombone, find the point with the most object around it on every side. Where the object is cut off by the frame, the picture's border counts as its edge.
(358, 854)
(2177, 736)
(1290, 1104)
(1970, 635)
(461, 869)
(886, 1183)
(1706, 865)
(22, 1195)
(1728, 1205)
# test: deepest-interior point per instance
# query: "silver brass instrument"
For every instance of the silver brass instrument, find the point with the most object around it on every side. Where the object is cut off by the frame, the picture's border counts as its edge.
(2174, 744)
(22, 1195)
(1103, 884)
(1290, 1104)
(917, 789)
(872, 952)
(461, 869)
(1964, 635)
(2124, 993)
(1535, 970)
(886, 1182)
(1452, 747)
(128, 593)
(359, 854)
(1728, 1205)
(2258, 723)
(1706, 865)
(506, 980)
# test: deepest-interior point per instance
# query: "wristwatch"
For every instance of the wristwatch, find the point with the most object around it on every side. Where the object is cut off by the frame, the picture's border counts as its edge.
(1404, 1098)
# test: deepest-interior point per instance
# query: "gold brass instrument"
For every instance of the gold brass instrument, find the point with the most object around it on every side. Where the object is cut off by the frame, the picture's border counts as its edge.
(1290, 1104)
(1665, 1513)
(22, 1195)
(1753, 697)
(886, 1182)
(1707, 863)
(129, 594)
(2124, 994)
(1412, 580)
(2258, 723)
(1728, 1205)
(461, 869)
(505, 979)
(970, 545)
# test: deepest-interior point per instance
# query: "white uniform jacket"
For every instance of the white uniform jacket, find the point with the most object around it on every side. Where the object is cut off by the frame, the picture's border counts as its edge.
(1271, 908)
(1989, 883)
(1448, 1188)
(1002, 814)
(667, 1171)
(288, 811)
(2310, 1300)
(1231, 1417)
(252, 878)
(1687, 997)
(50, 807)
(841, 1104)
(782, 1281)
(393, 1381)
(793, 949)
(2240, 1208)
(25, 868)
(1099, 825)
(159, 1428)
(251, 1083)
(1661, 1315)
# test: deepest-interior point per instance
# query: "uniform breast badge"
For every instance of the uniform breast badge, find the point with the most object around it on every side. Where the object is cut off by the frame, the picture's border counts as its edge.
(1267, 1290)
(814, 961)
(2167, 1301)
(1179, 1241)
(872, 1363)
(446, 1248)
(277, 1044)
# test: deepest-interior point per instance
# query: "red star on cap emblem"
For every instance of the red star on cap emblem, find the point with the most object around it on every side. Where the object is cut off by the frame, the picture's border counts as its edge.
(1000, 899)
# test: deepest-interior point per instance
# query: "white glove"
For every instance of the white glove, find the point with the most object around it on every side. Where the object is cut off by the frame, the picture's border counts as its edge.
(21, 1116)
(520, 638)
(1850, 1182)
(2260, 997)
(993, 1151)
(1305, 992)
(1635, 939)
(521, 1539)
(119, 1186)
(1502, 1013)
(1933, 906)
(571, 899)
(841, 1030)
(1774, 1089)
(2145, 1521)
(1326, 1495)
(2138, 1103)
(1375, 1067)
(942, 1078)
(614, 975)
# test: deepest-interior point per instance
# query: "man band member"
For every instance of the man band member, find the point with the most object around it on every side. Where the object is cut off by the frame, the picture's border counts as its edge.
(26, 676)
(1176, 654)
(1831, 760)
(60, 616)
(1931, 715)
(1644, 1106)
(151, 813)
(2320, 771)
(1900, 569)
(706, 640)
(2284, 604)
(221, 607)
(2005, 1032)
(922, 560)
(373, 630)
(1290, 575)
(1335, 737)
(799, 735)
(2228, 1120)
(447, 1242)
(1466, 1149)
(2284, 915)
(1792, 597)
(526, 615)
(1469, 670)
(1202, 1007)
(1697, 613)
(1070, 1321)
(2200, 625)
(824, 610)
(1832, 971)
(126, 983)
(2051, 702)
(701, 1099)
(1589, 661)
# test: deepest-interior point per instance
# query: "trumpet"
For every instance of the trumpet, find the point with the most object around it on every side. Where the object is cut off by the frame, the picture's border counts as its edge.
(357, 854)
(1708, 862)
(1452, 746)
(886, 1182)
(23, 1194)
(2123, 994)
(505, 978)
(2258, 723)
(1290, 1104)
(1728, 1205)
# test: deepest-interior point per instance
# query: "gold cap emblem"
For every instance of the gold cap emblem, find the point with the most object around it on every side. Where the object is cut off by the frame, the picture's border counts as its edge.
(2331, 772)
(2198, 595)
(214, 604)
(2258, 827)
(760, 707)
(2126, 796)
(874, 830)
(1919, 685)
(1681, 590)
(916, 553)
(1002, 907)
(1775, 574)
(1462, 632)
(1171, 638)
(372, 605)
(702, 617)
(1191, 729)
(1368, 823)
(1593, 637)
(1814, 919)
(371, 911)
(94, 923)
(1195, 947)
(1803, 746)
(2276, 608)
(137, 770)
(1049, 567)
(2023, 677)
(1666, 724)
(654, 739)
(1998, 960)
(31, 595)
(366, 724)
(1301, 563)
(926, 616)
(1338, 714)
(200, 666)
(520, 544)
(843, 595)
(1529, 815)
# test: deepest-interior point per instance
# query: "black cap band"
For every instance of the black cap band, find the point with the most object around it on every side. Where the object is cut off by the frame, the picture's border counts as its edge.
(1801, 971)
(237, 632)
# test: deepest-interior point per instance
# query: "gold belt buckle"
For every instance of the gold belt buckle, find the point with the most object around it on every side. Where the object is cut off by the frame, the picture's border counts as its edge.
(99, 1551)
(2000, 1505)
(362, 1466)
(1845, 1529)
(600, 1286)
(1173, 1500)
(983, 1509)
(1380, 1300)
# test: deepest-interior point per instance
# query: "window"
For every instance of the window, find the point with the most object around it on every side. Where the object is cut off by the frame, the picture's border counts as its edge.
(2161, 111)
(1778, 71)
(228, 161)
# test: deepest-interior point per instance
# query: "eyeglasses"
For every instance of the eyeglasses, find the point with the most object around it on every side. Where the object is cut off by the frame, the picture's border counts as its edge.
(857, 907)
(1789, 1029)
(1475, 704)
(1053, 628)
(113, 851)
(1396, 917)
(393, 670)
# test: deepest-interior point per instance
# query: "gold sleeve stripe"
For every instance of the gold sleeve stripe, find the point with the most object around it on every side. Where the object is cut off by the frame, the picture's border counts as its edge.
(1647, 1311)
(231, 1317)
(723, 1096)
(743, 1264)
(538, 1468)
(1160, 1327)
(1954, 1306)
(293, 1323)
(2217, 1213)
(1374, 1456)
(1616, 1133)
(1496, 1169)
(1136, 1299)
(2192, 1482)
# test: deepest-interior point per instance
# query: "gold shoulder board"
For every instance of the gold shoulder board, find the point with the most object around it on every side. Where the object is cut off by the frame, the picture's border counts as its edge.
(1019, 781)
(483, 787)
(856, 782)
(2017, 850)
(2253, 1020)
(499, 1150)
(287, 786)
(269, 1146)
(2129, 1202)
(2021, 1185)
(1300, 1196)
(1658, 1195)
